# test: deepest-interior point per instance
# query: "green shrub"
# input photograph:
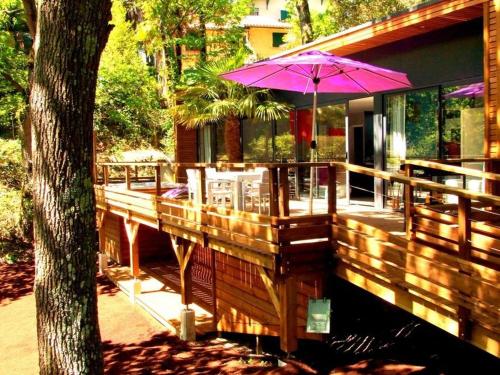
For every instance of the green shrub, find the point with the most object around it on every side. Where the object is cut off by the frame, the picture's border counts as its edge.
(10, 214)
(11, 164)
(15, 222)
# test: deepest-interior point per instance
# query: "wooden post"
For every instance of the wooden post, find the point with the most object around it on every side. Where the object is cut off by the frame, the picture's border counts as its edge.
(158, 179)
(132, 229)
(332, 189)
(102, 257)
(273, 192)
(186, 283)
(202, 196)
(464, 227)
(127, 178)
(464, 250)
(408, 204)
(105, 172)
(288, 314)
(94, 157)
(183, 251)
(214, 288)
(284, 192)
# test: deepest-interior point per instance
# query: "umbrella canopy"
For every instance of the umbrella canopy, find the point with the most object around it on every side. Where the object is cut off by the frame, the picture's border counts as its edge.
(318, 72)
(470, 91)
(333, 74)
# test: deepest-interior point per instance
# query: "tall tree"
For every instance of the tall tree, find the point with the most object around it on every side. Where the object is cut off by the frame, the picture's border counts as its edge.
(306, 27)
(68, 45)
(208, 99)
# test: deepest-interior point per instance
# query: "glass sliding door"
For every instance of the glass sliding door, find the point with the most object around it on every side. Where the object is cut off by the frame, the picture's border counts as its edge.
(463, 130)
(257, 136)
(331, 145)
(284, 140)
(412, 126)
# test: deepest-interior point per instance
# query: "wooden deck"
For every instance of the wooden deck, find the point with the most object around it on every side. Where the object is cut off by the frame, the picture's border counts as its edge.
(438, 262)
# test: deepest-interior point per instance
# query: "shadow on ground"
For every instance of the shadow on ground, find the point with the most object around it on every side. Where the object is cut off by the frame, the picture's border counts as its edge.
(166, 354)
(16, 281)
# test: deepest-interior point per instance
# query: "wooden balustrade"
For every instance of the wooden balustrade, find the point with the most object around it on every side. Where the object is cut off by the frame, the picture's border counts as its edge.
(445, 270)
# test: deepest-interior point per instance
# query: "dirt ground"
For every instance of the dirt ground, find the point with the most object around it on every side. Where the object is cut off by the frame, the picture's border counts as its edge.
(133, 342)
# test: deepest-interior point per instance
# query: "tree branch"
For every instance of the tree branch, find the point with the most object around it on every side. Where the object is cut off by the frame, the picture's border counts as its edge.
(14, 83)
(30, 10)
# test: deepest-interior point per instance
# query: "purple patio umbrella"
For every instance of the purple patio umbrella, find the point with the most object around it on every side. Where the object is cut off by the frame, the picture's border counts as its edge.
(470, 91)
(318, 72)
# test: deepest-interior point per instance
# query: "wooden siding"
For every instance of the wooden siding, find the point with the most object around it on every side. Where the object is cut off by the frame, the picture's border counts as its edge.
(492, 109)
(153, 244)
(186, 148)
(244, 304)
(111, 238)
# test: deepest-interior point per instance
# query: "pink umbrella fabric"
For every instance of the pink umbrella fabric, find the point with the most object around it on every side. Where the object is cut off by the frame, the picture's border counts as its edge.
(470, 91)
(333, 74)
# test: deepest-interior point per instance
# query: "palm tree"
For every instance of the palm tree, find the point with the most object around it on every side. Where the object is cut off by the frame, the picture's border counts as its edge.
(209, 99)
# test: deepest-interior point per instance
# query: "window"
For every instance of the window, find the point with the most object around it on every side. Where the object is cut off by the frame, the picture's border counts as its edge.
(284, 15)
(412, 127)
(278, 39)
(257, 140)
(255, 11)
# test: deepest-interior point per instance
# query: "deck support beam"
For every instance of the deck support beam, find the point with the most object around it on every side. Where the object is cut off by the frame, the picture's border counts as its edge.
(464, 249)
(288, 314)
(132, 230)
(409, 204)
(269, 284)
(183, 251)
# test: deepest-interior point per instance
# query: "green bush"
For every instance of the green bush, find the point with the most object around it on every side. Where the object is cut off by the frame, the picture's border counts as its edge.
(11, 164)
(15, 222)
(10, 214)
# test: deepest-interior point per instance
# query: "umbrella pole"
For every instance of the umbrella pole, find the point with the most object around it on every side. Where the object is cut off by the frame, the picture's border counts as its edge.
(312, 173)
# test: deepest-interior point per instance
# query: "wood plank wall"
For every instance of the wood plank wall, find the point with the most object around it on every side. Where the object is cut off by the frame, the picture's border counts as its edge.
(153, 244)
(244, 305)
(111, 237)
(186, 148)
(492, 109)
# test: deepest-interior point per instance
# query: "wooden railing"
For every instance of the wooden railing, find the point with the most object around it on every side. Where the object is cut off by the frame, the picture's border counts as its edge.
(445, 270)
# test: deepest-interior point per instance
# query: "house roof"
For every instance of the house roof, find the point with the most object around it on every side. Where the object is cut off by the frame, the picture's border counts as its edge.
(264, 21)
(255, 21)
(427, 17)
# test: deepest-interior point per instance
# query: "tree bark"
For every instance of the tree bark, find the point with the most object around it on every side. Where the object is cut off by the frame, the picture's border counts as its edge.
(232, 139)
(203, 35)
(305, 21)
(69, 42)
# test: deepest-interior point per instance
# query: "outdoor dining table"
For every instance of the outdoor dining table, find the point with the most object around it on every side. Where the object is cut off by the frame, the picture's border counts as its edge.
(238, 180)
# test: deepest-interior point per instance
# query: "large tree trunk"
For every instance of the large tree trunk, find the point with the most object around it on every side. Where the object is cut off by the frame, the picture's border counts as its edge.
(305, 21)
(232, 139)
(69, 42)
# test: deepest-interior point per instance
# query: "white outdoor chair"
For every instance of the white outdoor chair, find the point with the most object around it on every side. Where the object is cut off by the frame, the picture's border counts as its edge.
(258, 192)
(192, 176)
(219, 191)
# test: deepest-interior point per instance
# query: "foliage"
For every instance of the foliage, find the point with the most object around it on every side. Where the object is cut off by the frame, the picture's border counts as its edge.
(11, 175)
(11, 167)
(128, 107)
(14, 45)
(167, 28)
(207, 98)
(343, 14)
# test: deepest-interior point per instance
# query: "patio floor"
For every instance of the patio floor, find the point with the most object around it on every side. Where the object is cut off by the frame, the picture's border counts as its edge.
(160, 300)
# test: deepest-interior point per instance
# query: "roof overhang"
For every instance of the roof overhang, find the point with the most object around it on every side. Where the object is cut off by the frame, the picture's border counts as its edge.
(419, 20)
